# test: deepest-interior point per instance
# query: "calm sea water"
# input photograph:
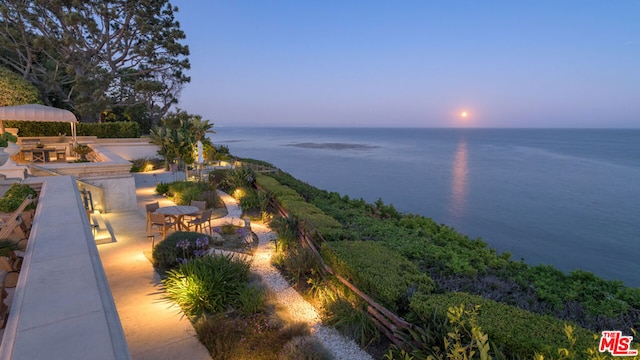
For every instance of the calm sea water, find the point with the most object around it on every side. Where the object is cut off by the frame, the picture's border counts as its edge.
(570, 198)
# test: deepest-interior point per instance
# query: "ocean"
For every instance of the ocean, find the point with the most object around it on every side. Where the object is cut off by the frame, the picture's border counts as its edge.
(565, 197)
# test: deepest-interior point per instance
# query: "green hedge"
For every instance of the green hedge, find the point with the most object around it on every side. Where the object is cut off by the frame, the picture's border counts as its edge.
(516, 331)
(120, 129)
(273, 186)
(297, 206)
(384, 275)
(110, 130)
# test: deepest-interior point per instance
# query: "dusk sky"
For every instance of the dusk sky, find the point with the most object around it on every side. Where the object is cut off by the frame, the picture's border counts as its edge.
(413, 63)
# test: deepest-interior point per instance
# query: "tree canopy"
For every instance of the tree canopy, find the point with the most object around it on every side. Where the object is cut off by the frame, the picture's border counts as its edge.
(95, 55)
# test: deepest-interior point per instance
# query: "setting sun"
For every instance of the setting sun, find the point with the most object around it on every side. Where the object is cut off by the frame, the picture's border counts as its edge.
(464, 114)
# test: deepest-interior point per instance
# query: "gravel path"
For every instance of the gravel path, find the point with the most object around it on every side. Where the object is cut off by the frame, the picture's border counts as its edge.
(341, 347)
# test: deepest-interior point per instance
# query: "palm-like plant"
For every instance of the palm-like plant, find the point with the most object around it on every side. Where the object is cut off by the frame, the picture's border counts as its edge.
(200, 127)
(178, 136)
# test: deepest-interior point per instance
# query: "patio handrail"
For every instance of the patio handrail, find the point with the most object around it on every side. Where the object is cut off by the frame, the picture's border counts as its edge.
(95, 189)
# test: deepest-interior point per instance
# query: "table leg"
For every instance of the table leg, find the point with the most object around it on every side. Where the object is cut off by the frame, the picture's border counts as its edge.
(180, 223)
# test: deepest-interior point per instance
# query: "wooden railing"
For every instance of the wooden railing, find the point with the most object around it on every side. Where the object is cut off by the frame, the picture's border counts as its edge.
(256, 167)
(12, 220)
(392, 326)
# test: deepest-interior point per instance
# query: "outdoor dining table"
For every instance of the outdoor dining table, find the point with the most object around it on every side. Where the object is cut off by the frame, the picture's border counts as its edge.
(177, 213)
(39, 154)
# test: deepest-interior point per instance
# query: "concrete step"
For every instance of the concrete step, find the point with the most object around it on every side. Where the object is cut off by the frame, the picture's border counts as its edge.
(101, 232)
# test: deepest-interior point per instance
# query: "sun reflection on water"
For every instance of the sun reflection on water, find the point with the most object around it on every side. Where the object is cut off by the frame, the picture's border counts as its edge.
(459, 180)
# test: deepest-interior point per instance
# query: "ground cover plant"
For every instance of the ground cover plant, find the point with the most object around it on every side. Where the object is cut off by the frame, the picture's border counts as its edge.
(459, 264)
(234, 238)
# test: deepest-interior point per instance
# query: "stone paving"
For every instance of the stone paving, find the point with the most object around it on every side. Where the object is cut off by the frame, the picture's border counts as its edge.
(156, 330)
(153, 328)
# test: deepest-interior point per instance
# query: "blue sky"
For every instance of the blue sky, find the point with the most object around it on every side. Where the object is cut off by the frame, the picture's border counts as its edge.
(413, 63)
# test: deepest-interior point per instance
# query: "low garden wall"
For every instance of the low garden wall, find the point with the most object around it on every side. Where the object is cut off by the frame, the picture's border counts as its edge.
(109, 171)
(62, 306)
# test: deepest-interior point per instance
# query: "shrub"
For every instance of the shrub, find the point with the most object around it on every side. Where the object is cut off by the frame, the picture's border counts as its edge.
(207, 285)
(83, 150)
(116, 129)
(250, 200)
(37, 128)
(272, 185)
(300, 263)
(304, 348)
(217, 177)
(459, 337)
(166, 254)
(219, 334)
(162, 188)
(516, 331)
(238, 178)
(183, 192)
(145, 165)
(352, 322)
(598, 296)
(185, 196)
(386, 276)
(287, 229)
(15, 196)
(212, 199)
(252, 299)
(5, 138)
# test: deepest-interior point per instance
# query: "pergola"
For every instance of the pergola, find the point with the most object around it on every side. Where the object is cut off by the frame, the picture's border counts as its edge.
(37, 112)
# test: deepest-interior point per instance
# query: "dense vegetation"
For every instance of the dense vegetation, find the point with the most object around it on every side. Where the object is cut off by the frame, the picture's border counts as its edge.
(230, 308)
(461, 296)
(183, 192)
(374, 239)
(13, 198)
(99, 59)
(119, 129)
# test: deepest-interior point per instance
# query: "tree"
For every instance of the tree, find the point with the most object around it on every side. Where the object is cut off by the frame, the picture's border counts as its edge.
(15, 90)
(178, 135)
(92, 55)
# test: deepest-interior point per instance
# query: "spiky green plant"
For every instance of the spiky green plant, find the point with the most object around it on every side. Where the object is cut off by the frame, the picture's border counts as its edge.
(207, 285)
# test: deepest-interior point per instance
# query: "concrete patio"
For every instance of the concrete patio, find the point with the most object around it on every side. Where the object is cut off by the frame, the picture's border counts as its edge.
(153, 328)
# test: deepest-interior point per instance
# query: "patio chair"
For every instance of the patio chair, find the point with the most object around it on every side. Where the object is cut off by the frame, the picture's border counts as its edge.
(26, 152)
(201, 220)
(151, 207)
(61, 152)
(201, 205)
(161, 222)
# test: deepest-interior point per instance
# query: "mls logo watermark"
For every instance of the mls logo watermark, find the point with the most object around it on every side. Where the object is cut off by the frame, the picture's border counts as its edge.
(616, 344)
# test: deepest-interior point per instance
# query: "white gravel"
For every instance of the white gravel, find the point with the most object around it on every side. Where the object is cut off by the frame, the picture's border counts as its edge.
(299, 309)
